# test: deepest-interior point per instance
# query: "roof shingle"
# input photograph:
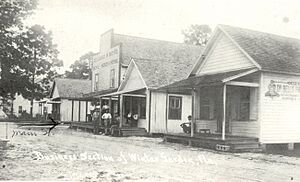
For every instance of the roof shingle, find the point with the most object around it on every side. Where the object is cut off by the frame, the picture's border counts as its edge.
(157, 73)
(271, 52)
(72, 88)
(137, 47)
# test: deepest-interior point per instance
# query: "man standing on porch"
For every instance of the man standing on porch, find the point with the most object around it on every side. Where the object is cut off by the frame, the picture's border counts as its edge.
(107, 120)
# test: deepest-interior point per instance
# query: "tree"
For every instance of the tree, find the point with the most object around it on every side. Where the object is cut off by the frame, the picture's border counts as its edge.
(12, 13)
(39, 61)
(197, 34)
(26, 53)
(80, 69)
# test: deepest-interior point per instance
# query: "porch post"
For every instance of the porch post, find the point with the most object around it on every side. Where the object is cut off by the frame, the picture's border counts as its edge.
(148, 105)
(121, 110)
(110, 105)
(224, 112)
(193, 112)
(98, 121)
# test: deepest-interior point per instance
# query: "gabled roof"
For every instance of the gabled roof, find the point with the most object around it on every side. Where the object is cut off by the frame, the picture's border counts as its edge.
(267, 51)
(271, 52)
(158, 73)
(137, 47)
(71, 88)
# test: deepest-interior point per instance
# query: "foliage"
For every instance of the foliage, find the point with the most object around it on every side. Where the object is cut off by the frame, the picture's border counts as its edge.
(26, 53)
(197, 34)
(80, 69)
(11, 15)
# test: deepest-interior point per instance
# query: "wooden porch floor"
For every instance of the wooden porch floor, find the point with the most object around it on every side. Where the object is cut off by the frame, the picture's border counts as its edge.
(214, 141)
(125, 131)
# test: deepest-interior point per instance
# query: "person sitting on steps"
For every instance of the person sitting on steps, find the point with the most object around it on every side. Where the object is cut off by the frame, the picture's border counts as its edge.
(187, 126)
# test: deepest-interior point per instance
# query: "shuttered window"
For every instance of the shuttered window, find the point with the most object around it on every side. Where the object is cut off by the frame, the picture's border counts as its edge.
(175, 107)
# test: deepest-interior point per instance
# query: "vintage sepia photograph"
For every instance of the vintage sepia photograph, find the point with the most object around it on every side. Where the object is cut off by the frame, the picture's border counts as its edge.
(150, 90)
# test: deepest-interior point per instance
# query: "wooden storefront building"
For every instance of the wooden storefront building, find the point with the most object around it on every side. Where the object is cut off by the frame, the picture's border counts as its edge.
(112, 66)
(65, 99)
(245, 85)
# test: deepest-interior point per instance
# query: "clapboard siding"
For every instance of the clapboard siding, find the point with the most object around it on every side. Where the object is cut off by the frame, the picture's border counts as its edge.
(245, 128)
(82, 111)
(75, 110)
(225, 56)
(65, 110)
(206, 124)
(158, 113)
(134, 81)
(280, 117)
(142, 123)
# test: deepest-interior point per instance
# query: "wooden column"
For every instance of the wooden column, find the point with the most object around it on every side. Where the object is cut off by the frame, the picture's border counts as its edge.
(72, 110)
(79, 107)
(121, 110)
(193, 112)
(110, 106)
(148, 109)
(224, 112)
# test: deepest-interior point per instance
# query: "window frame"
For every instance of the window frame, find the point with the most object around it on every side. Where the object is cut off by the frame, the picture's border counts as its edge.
(96, 86)
(112, 78)
(20, 109)
(243, 101)
(173, 107)
(210, 114)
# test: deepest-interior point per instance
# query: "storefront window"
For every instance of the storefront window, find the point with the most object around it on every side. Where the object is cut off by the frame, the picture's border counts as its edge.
(175, 107)
(136, 105)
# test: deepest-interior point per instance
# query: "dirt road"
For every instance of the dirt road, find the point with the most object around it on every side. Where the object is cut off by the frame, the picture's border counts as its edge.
(71, 155)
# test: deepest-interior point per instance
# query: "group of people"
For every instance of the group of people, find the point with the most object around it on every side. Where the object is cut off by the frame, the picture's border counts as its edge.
(107, 124)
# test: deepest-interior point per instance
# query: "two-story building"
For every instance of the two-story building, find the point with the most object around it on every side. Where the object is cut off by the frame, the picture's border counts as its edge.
(129, 61)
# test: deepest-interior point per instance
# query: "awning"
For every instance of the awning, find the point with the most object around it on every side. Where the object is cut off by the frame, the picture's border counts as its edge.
(53, 102)
(92, 95)
(122, 92)
(205, 80)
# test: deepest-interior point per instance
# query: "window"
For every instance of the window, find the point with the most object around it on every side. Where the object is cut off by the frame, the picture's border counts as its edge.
(112, 78)
(175, 107)
(96, 82)
(244, 105)
(136, 105)
(143, 108)
(20, 109)
(206, 108)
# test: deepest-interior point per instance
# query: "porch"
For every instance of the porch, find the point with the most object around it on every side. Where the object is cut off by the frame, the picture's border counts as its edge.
(226, 105)
(214, 141)
(124, 131)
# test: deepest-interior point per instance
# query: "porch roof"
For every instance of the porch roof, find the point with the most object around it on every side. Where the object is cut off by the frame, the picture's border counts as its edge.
(204, 80)
(93, 95)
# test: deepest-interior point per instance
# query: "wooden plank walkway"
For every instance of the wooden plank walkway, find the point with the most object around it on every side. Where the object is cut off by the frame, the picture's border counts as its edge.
(214, 141)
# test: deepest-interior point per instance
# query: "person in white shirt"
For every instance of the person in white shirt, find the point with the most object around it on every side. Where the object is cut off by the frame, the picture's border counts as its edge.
(107, 121)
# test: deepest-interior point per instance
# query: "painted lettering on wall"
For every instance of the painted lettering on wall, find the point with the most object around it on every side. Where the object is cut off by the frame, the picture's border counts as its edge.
(287, 90)
(104, 60)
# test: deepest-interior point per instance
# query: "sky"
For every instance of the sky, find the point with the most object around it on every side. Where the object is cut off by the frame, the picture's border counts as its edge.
(77, 24)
